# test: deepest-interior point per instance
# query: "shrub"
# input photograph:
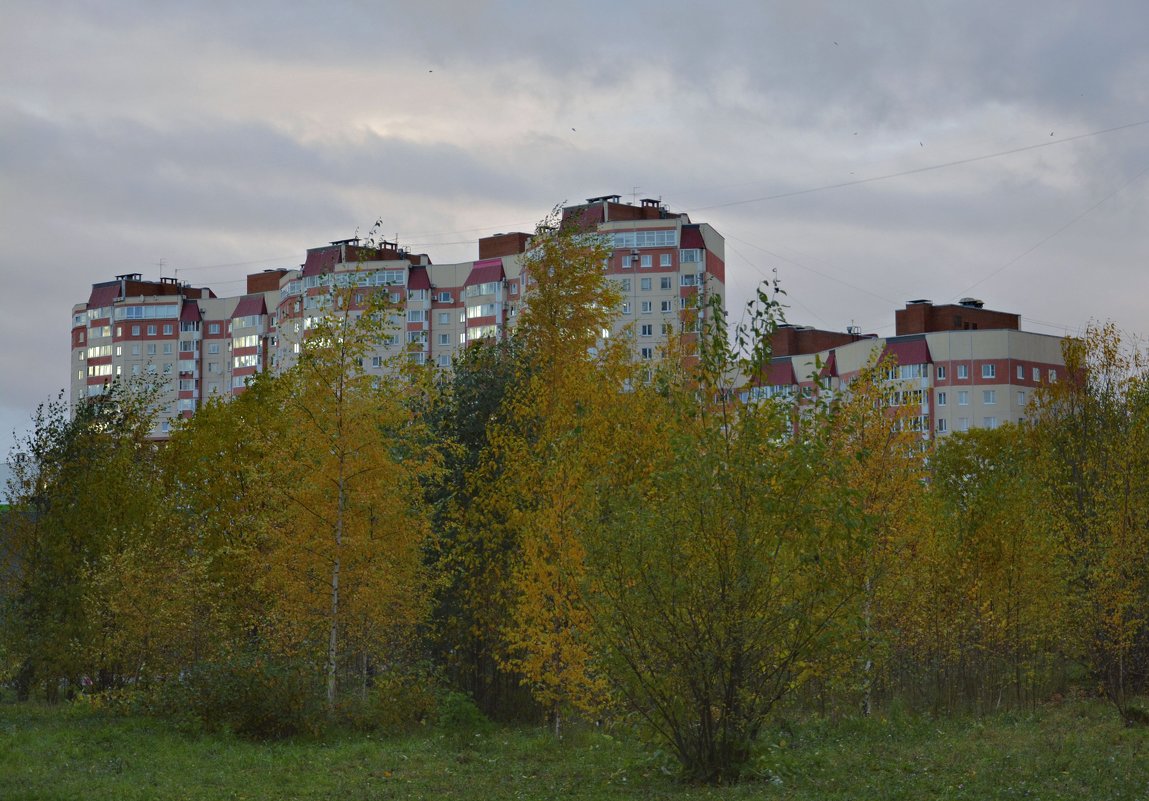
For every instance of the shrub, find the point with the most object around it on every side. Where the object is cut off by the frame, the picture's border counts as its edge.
(251, 695)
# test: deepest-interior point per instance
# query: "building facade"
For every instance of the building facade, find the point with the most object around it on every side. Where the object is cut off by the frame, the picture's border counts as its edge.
(195, 345)
(960, 366)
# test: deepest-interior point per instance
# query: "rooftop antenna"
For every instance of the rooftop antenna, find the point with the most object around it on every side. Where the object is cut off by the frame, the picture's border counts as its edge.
(161, 263)
(634, 196)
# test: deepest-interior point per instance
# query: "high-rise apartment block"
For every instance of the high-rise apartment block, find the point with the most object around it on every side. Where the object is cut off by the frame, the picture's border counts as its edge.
(960, 366)
(197, 345)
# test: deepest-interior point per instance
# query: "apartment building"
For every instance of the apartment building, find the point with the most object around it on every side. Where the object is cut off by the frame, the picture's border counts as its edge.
(196, 345)
(960, 366)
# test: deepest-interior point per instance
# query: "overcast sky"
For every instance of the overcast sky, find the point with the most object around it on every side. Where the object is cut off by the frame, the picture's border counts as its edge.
(869, 152)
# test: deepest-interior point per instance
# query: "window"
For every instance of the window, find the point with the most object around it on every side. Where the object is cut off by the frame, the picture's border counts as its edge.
(445, 358)
(444, 297)
(444, 318)
(1021, 398)
(135, 331)
(626, 261)
(1020, 373)
(690, 255)
(151, 348)
(989, 422)
(646, 354)
(1036, 374)
(626, 285)
(989, 396)
(963, 424)
(664, 238)
(168, 368)
(646, 330)
(444, 339)
(119, 330)
(989, 371)
(664, 260)
(415, 316)
(213, 367)
(647, 260)
(1052, 376)
(941, 399)
(136, 350)
(941, 372)
(213, 348)
(376, 362)
(167, 349)
(942, 428)
(963, 371)
(416, 337)
(667, 306)
(167, 329)
(645, 284)
(135, 369)
(963, 398)
(151, 330)
(250, 360)
(647, 306)
(664, 282)
(626, 307)
(690, 279)
(394, 297)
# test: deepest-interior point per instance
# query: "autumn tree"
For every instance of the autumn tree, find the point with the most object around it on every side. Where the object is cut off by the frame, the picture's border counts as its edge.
(721, 558)
(83, 489)
(342, 566)
(534, 477)
(1094, 432)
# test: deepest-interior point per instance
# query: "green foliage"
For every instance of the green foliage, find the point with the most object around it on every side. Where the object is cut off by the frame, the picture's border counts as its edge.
(251, 694)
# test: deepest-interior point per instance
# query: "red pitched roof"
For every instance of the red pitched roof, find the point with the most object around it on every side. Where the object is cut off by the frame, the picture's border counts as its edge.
(418, 278)
(320, 260)
(780, 373)
(249, 305)
(484, 272)
(830, 368)
(912, 351)
(190, 313)
(692, 237)
(104, 295)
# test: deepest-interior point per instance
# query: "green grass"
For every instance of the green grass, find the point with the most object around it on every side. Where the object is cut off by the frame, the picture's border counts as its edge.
(1073, 751)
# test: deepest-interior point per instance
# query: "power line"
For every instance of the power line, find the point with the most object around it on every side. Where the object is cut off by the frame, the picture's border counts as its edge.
(1054, 233)
(918, 170)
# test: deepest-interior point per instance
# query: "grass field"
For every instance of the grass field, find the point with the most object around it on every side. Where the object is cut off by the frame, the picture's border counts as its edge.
(1077, 750)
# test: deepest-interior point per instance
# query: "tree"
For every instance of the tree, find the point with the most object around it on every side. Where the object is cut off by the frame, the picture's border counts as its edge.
(722, 552)
(83, 488)
(1094, 432)
(534, 479)
(342, 555)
